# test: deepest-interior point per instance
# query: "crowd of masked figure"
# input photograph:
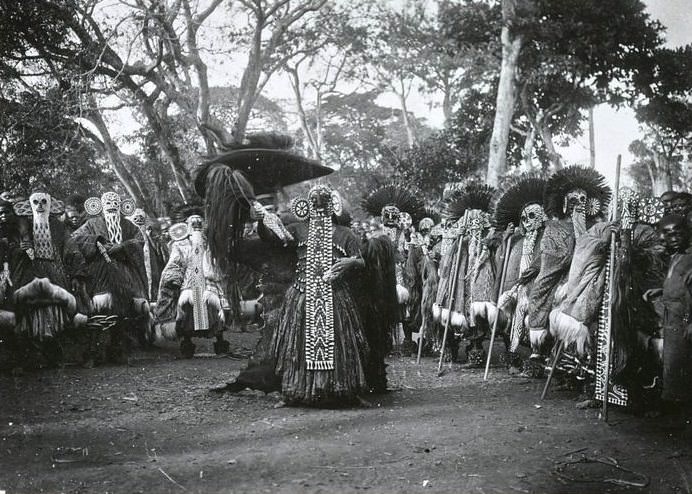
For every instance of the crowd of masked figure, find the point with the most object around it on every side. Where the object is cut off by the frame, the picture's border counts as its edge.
(547, 264)
(86, 281)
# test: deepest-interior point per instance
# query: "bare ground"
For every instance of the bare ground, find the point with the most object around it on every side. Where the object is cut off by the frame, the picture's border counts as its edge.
(152, 426)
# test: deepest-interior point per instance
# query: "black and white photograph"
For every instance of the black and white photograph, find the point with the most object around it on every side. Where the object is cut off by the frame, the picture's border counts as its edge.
(345, 246)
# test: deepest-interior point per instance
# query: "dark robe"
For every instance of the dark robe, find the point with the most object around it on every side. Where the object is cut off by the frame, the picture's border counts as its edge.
(125, 276)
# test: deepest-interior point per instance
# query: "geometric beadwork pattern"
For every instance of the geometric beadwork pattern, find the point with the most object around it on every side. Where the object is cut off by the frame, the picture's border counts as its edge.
(617, 395)
(319, 309)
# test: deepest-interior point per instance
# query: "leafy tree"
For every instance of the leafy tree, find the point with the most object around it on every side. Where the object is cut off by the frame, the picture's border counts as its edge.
(42, 148)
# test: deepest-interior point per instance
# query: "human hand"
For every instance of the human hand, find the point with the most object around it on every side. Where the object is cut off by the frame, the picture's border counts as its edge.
(652, 293)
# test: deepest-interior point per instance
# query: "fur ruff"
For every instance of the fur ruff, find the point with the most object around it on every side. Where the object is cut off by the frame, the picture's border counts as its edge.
(101, 303)
(165, 331)
(40, 291)
(402, 294)
(489, 312)
(458, 319)
(537, 338)
(567, 329)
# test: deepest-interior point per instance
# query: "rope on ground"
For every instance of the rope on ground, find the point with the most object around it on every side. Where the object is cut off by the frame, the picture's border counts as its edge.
(611, 462)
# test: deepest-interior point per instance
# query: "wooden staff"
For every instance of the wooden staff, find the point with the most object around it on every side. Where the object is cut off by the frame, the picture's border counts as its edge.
(451, 295)
(503, 274)
(611, 293)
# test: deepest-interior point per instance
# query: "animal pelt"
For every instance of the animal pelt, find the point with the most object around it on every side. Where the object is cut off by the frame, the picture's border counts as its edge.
(260, 377)
(458, 320)
(430, 280)
(489, 312)
(567, 329)
(41, 291)
(376, 294)
(414, 282)
(228, 195)
(402, 294)
(210, 298)
(538, 338)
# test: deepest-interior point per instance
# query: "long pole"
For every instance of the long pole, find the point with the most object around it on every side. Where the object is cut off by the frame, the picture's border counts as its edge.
(503, 274)
(611, 292)
(451, 296)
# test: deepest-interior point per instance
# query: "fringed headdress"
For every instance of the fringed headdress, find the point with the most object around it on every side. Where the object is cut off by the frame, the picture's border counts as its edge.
(573, 178)
(394, 195)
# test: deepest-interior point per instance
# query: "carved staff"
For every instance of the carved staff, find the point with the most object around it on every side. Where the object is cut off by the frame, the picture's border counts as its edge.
(611, 293)
(451, 294)
(505, 262)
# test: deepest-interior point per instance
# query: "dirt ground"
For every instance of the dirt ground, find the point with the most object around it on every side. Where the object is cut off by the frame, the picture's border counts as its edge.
(152, 426)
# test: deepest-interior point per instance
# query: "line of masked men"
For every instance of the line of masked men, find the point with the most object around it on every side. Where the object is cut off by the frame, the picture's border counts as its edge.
(532, 260)
(90, 278)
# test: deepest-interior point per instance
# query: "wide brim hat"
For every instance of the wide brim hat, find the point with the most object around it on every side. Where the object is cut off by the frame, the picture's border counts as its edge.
(266, 161)
(575, 177)
(518, 192)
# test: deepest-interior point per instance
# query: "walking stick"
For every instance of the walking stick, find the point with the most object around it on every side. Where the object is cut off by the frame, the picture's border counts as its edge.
(421, 331)
(452, 293)
(505, 262)
(611, 292)
(556, 359)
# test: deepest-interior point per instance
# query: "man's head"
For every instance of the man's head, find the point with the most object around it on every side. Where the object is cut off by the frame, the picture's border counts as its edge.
(7, 216)
(681, 204)
(667, 200)
(674, 232)
(73, 216)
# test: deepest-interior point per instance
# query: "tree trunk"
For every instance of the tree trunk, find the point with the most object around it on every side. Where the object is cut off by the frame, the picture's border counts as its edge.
(527, 151)
(659, 171)
(410, 132)
(247, 95)
(592, 140)
(117, 161)
(547, 138)
(506, 97)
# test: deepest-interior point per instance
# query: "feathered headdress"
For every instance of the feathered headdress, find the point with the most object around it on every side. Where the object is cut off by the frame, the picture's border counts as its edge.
(472, 195)
(392, 194)
(262, 163)
(571, 178)
(518, 192)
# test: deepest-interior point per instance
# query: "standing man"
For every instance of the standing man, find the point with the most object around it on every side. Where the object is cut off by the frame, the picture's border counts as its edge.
(676, 297)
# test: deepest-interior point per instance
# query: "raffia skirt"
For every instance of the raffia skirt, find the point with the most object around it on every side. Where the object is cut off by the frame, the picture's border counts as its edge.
(328, 388)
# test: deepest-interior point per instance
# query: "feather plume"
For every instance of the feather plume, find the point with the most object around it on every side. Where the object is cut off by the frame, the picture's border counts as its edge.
(472, 195)
(570, 178)
(393, 194)
(517, 193)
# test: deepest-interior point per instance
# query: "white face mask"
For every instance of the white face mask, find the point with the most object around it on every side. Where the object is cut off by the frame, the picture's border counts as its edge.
(111, 212)
(111, 203)
(40, 207)
(139, 217)
(532, 217)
